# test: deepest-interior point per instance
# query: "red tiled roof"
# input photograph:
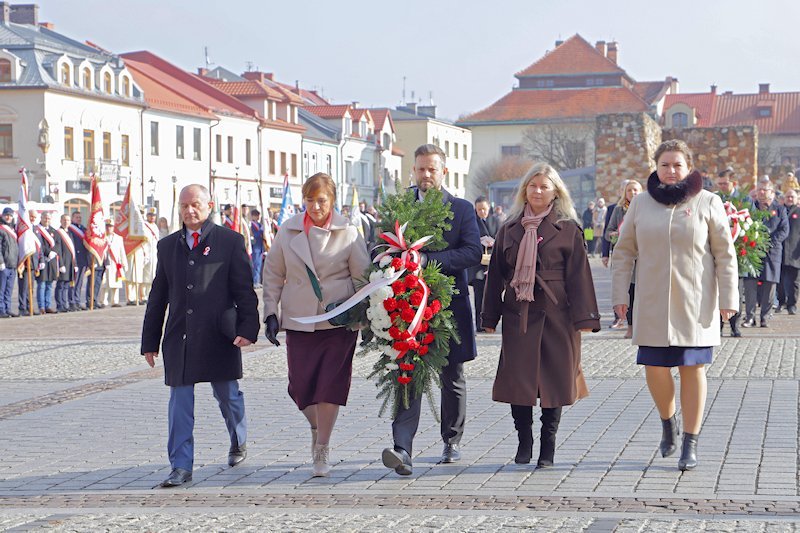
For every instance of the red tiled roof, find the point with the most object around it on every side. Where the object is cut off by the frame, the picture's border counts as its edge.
(245, 88)
(357, 113)
(190, 86)
(522, 105)
(330, 111)
(306, 97)
(742, 110)
(380, 116)
(702, 103)
(573, 56)
(162, 97)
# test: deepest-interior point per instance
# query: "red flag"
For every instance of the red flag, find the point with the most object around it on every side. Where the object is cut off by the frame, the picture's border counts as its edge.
(129, 224)
(95, 238)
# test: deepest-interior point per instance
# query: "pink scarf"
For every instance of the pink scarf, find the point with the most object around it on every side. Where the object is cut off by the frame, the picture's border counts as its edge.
(525, 271)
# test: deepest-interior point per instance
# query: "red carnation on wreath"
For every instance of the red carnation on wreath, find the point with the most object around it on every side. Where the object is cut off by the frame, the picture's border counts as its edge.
(423, 327)
(398, 287)
(416, 298)
(427, 339)
(427, 314)
(407, 366)
(411, 281)
(401, 346)
(394, 332)
(402, 305)
(390, 304)
(407, 315)
(436, 306)
(422, 350)
(404, 380)
(397, 263)
(411, 266)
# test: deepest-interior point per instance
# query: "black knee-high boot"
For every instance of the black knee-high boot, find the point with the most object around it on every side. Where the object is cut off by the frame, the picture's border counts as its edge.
(523, 422)
(551, 417)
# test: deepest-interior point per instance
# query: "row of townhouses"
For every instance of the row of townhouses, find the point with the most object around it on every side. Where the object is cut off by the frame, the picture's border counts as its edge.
(70, 109)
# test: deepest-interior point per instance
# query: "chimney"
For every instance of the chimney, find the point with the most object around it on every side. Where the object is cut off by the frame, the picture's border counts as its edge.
(427, 111)
(5, 13)
(673, 85)
(612, 52)
(763, 88)
(355, 104)
(202, 71)
(601, 47)
(25, 14)
(47, 25)
(713, 89)
(559, 43)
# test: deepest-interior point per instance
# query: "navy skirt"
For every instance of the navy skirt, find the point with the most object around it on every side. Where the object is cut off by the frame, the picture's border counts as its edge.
(674, 355)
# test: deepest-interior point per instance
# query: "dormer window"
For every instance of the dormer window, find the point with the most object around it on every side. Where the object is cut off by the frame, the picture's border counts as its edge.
(108, 86)
(348, 126)
(764, 112)
(5, 70)
(680, 120)
(126, 86)
(66, 74)
(87, 79)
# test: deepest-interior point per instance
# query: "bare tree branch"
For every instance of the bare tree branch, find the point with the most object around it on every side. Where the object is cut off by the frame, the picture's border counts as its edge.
(498, 169)
(563, 148)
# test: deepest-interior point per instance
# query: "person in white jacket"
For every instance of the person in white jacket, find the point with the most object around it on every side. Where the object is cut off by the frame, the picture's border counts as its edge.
(116, 264)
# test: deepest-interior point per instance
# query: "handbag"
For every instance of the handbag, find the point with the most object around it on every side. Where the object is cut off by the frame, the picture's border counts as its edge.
(341, 319)
(486, 257)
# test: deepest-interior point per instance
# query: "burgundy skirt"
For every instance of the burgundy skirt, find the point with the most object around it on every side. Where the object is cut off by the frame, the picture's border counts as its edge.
(320, 365)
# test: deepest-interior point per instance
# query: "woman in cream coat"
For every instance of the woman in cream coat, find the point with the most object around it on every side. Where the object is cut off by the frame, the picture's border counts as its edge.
(322, 244)
(686, 276)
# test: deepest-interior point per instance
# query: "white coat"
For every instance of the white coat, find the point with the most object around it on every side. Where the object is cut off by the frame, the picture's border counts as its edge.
(116, 252)
(686, 270)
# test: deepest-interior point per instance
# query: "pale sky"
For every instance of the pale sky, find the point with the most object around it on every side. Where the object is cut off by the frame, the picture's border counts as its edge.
(465, 52)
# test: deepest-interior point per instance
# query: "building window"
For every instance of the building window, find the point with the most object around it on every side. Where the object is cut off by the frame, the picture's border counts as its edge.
(348, 126)
(107, 85)
(5, 70)
(196, 150)
(464, 149)
(218, 143)
(447, 148)
(455, 151)
(230, 149)
(125, 151)
(179, 142)
(314, 168)
(107, 145)
(764, 112)
(511, 150)
(247, 160)
(6, 141)
(126, 86)
(153, 138)
(284, 168)
(66, 75)
(365, 177)
(575, 153)
(305, 164)
(272, 162)
(69, 146)
(455, 180)
(87, 78)
(88, 152)
(328, 165)
(294, 165)
(680, 120)
(348, 172)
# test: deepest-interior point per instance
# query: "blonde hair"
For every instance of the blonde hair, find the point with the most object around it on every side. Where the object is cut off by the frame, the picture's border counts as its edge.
(562, 204)
(624, 200)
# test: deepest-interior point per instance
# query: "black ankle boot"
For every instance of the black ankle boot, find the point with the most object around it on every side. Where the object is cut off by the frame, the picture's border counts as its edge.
(551, 417)
(523, 422)
(669, 436)
(688, 458)
(734, 321)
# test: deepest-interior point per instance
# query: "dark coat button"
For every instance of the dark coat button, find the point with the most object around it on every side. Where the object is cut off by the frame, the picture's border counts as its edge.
(191, 262)
(190, 286)
(189, 311)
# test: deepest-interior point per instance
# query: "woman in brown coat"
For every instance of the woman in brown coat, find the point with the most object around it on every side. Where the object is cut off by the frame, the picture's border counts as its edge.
(540, 284)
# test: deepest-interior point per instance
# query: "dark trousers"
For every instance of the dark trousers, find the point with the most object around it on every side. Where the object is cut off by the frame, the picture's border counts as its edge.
(257, 259)
(22, 294)
(62, 295)
(454, 411)
(6, 288)
(764, 298)
(477, 300)
(75, 291)
(790, 283)
(180, 442)
(98, 282)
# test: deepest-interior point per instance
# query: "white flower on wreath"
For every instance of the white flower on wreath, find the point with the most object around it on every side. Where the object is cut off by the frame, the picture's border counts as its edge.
(385, 260)
(389, 272)
(391, 366)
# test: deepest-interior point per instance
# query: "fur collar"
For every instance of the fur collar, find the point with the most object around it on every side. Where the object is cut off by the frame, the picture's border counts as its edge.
(674, 194)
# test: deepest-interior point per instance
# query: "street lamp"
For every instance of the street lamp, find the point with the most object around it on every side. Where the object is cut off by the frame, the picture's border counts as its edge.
(151, 190)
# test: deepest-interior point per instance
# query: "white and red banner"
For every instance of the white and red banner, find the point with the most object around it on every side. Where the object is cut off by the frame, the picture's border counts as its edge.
(26, 239)
(95, 238)
(129, 224)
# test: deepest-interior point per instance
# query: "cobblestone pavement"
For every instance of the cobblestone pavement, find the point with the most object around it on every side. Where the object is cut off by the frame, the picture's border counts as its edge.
(83, 433)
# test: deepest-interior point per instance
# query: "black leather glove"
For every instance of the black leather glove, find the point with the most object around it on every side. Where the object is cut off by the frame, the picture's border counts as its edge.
(271, 329)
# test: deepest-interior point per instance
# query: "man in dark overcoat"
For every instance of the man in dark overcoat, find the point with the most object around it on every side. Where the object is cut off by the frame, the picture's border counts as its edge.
(83, 259)
(778, 227)
(49, 262)
(790, 281)
(463, 251)
(204, 276)
(66, 267)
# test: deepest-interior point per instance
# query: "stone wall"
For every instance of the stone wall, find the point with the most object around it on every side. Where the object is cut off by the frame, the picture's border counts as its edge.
(717, 148)
(624, 148)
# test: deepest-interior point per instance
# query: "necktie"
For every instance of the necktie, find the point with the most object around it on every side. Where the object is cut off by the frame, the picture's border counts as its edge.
(196, 237)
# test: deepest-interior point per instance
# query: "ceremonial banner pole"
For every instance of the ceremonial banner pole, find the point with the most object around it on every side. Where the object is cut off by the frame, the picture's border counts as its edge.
(91, 287)
(30, 287)
(135, 283)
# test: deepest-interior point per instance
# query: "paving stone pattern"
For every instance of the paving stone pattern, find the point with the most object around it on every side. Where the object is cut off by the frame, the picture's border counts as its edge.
(83, 433)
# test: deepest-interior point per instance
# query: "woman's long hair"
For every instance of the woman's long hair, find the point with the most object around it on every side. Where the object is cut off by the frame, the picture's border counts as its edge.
(562, 204)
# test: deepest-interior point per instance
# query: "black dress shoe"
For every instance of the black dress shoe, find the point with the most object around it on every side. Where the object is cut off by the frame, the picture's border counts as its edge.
(177, 477)
(450, 454)
(237, 454)
(792, 310)
(765, 323)
(398, 460)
